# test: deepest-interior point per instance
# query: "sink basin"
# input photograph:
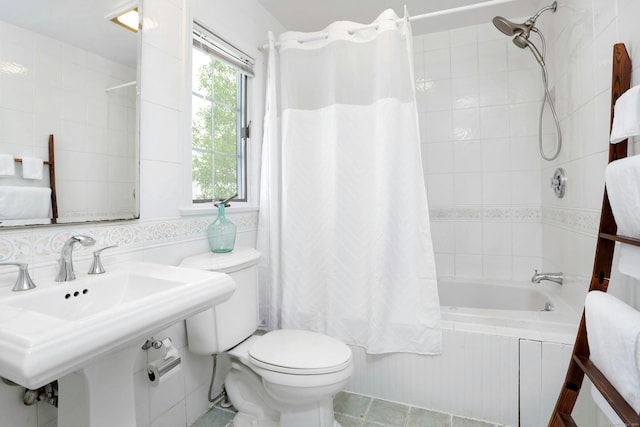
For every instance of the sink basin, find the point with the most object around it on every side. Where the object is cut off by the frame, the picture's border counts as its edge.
(59, 328)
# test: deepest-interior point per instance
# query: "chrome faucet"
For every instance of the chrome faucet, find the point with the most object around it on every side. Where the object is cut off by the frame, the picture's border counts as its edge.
(553, 277)
(66, 273)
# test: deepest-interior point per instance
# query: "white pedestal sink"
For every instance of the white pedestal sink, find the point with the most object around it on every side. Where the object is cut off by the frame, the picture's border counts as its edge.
(88, 332)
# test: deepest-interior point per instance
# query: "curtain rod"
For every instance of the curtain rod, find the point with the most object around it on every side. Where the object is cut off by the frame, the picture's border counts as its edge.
(470, 7)
(109, 89)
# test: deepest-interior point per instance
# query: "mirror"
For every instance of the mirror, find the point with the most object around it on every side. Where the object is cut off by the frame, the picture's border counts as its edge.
(68, 75)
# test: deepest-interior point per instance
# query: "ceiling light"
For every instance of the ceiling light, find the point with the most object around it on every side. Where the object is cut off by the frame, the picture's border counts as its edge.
(127, 18)
(12, 68)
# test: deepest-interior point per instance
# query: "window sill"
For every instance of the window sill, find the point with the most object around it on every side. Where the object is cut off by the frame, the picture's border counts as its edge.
(195, 210)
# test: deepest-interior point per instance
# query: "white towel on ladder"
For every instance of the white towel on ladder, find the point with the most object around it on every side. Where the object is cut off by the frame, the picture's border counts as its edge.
(7, 165)
(623, 189)
(626, 116)
(32, 168)
(613, 331)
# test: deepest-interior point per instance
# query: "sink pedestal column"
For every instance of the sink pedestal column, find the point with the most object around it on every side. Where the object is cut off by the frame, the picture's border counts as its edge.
(101, 394)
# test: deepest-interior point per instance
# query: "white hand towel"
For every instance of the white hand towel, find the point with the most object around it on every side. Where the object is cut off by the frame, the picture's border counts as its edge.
(7, 165)
(623, 187)
(32, 168)
(613, 331)
(626, 116)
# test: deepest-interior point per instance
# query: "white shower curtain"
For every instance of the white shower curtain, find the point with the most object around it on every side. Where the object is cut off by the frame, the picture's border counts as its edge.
(344, 223)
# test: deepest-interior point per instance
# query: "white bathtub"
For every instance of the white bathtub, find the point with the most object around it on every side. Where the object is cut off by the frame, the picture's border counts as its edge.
(488, 327)
(524, 310)
(491, 296)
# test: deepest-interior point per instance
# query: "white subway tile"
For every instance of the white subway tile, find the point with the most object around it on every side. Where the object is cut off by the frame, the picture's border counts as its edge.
(437, 64)
(466, 124)
(493, 89)
(464, 61)
(440, 190)
(525, 188)
(166, 142)
(463, 36)
(437, 95)
(465, 92)
(468, 265)
(492, 56)
(439, 158)
(494, 122)
(435, 41)
(442, 233)
(438, 126)
(497, 267)
(527, 239)
(496, 189)
(496, 155)
(496, 238)
(467, 155)
(468, 237)
(468, 189)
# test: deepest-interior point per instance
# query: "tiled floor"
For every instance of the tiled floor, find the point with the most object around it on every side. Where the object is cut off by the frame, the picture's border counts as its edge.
(354, 410)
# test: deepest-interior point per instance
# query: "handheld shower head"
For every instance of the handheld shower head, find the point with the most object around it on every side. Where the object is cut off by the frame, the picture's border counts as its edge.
(521, 41)
(520, 34)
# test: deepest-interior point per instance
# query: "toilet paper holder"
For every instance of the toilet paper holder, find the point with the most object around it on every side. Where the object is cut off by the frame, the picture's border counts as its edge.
(171, 359)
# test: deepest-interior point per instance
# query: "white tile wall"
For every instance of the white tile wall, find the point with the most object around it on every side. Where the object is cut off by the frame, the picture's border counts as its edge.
(580, 50)
(477, 128)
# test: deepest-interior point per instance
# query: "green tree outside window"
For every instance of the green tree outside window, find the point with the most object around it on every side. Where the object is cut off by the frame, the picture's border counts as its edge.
(217, 120)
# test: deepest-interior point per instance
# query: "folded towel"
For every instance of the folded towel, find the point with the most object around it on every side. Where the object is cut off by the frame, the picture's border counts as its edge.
(623, 188)
(32, 168)
(626, 116)
(24, 202)
(613, 331)
(7, 165)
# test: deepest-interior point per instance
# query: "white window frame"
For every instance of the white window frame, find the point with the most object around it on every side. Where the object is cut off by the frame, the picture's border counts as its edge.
(227, 53)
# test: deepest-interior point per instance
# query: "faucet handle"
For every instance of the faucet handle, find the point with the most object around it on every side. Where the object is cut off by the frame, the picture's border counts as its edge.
(96, 265)
(24, 282)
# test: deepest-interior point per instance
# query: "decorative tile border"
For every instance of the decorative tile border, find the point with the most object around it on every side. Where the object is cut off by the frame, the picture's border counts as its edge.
(578, 220)
(493, 213)
(40, 244)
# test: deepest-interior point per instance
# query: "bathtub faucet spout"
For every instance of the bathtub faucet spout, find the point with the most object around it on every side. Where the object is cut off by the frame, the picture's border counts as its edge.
(553, 277)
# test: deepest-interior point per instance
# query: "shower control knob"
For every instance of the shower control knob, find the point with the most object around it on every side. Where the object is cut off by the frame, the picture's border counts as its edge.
(559, 182)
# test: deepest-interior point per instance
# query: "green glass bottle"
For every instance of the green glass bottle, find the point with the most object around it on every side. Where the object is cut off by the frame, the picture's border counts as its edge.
(221, 232)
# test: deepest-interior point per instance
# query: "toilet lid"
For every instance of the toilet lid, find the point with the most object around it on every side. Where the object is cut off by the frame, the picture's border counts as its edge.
(229, 262)
(300, 352)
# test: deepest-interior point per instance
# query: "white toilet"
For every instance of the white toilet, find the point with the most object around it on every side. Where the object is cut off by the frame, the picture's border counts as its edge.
(284, 378)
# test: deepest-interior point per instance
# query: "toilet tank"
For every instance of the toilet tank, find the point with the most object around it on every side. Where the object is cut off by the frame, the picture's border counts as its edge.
(224, 326)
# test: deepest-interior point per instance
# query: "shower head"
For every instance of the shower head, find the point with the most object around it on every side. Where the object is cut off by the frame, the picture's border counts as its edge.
(511, 28)
(521, 32)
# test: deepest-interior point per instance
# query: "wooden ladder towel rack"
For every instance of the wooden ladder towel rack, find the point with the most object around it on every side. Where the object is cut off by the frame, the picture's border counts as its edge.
(579, 364)
(52, 179)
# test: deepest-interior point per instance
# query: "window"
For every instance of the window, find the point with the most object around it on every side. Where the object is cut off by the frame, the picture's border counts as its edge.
(219, 128)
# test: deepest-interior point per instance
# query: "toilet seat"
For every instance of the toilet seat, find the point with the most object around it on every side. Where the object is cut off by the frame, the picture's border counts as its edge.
(298, 352)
